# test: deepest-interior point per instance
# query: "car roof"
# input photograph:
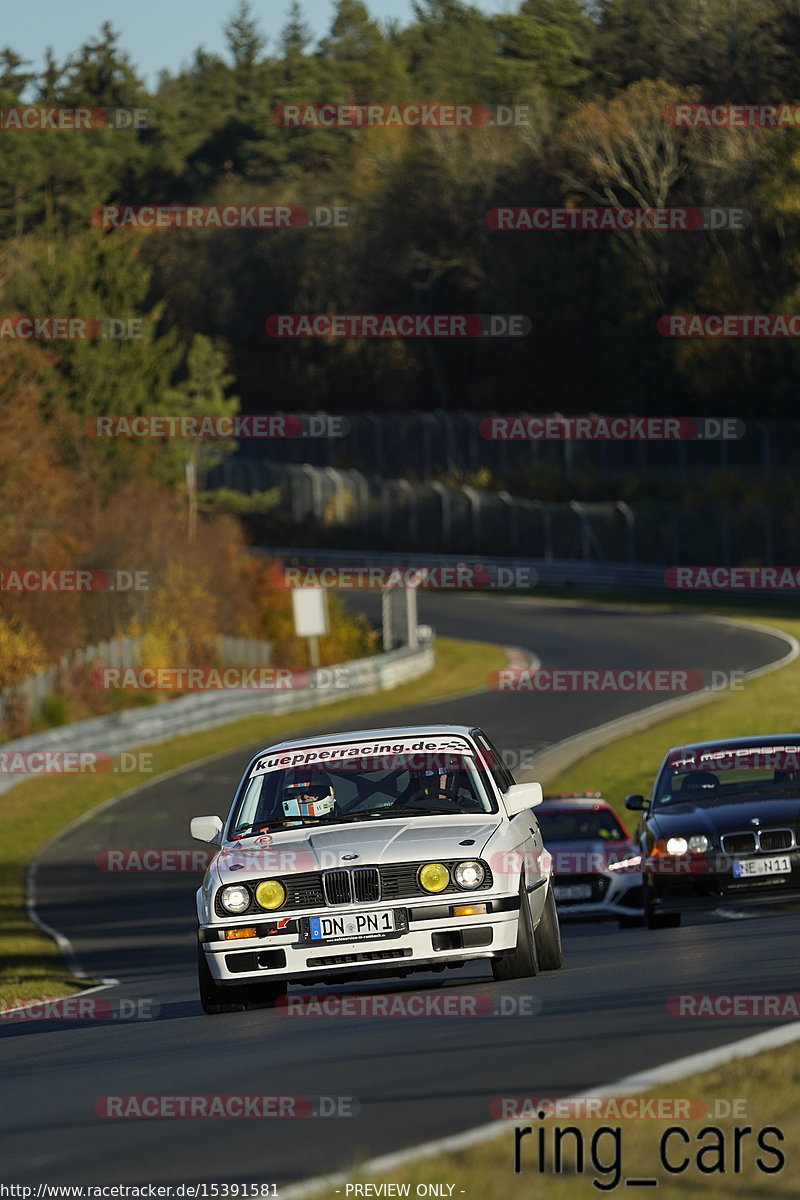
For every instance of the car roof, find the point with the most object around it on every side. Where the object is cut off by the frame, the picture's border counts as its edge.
(361, 735)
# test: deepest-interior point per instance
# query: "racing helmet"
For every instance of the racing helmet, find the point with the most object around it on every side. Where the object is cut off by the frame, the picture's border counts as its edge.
(312, 796)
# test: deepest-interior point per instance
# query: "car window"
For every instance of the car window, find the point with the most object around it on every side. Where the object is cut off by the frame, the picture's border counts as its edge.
(727, 781)
(371, 787)
(574, 824)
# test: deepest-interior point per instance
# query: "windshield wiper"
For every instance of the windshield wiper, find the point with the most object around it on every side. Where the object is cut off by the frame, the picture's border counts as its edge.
(415, 811)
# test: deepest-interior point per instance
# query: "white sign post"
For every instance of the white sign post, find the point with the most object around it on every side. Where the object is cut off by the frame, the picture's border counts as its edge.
(310, 607)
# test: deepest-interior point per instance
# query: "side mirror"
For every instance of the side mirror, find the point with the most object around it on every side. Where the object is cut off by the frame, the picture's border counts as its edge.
(206, 829)
(522, 796)
(636, 803)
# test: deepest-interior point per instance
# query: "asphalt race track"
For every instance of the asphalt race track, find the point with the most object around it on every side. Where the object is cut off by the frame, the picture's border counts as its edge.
(603, 1016)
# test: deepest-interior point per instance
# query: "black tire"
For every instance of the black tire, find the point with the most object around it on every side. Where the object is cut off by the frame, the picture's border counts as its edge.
(524, 962)
(657, 920)
(216, 999)
(548, 937)
(267, 993)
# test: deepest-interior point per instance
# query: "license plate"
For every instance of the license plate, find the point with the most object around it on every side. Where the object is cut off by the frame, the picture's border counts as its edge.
(572, 891)
(743, 868)
(350, 926)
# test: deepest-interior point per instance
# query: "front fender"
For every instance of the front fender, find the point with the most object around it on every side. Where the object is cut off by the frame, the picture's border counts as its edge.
(516, 854)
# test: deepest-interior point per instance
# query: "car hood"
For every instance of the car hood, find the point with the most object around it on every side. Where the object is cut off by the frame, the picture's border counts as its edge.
(317, 848)
(587, 855)
(712, 819)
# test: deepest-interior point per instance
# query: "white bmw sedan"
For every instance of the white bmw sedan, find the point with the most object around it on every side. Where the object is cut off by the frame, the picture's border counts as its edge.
(375, 853)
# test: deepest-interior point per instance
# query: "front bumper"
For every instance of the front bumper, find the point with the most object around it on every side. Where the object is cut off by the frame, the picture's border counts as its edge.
(434, 938)
(679, 890)
(611, 896)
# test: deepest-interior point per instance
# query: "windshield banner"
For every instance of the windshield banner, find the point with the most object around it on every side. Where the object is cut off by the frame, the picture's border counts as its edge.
(736, 758)
(400, 754)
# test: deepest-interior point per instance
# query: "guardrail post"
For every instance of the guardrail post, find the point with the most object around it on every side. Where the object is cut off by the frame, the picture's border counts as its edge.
(447, 512)
(630, 522)
(512, 508)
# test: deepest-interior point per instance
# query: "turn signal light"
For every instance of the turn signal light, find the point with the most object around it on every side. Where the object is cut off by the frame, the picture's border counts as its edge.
(469, 910)
(230, 935)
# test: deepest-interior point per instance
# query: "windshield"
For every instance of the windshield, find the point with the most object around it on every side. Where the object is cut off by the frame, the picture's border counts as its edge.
(575, 825)
(726, 775)
(399, 782)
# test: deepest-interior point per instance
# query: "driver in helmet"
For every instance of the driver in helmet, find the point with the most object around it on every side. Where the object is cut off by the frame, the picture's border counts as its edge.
(308, 798)
(302, 797)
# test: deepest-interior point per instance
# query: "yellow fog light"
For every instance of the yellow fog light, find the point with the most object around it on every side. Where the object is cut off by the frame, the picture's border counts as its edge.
(230, 935)
(469, 910)
(433, 877)
(270, 894)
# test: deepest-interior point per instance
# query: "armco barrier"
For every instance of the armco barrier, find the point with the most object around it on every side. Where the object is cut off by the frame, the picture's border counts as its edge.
(521, 574)
(147, 726)
(534, 572)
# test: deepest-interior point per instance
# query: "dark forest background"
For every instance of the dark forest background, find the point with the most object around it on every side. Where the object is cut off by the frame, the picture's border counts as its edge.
(596, 79)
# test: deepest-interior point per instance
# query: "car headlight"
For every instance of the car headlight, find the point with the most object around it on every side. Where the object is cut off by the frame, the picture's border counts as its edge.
(677, 845)
(699, 843)
(270, 894)
(433, 877)
(626, 864)
(235, 898)
(469, 874)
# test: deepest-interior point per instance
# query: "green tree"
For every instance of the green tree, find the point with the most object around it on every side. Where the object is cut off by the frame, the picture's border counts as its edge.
(362, 64)
(203, 393)
(97, 276)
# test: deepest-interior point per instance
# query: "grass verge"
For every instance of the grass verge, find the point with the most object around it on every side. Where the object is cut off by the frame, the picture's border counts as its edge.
(768, 704)
(763, 1087)
(33, 812)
